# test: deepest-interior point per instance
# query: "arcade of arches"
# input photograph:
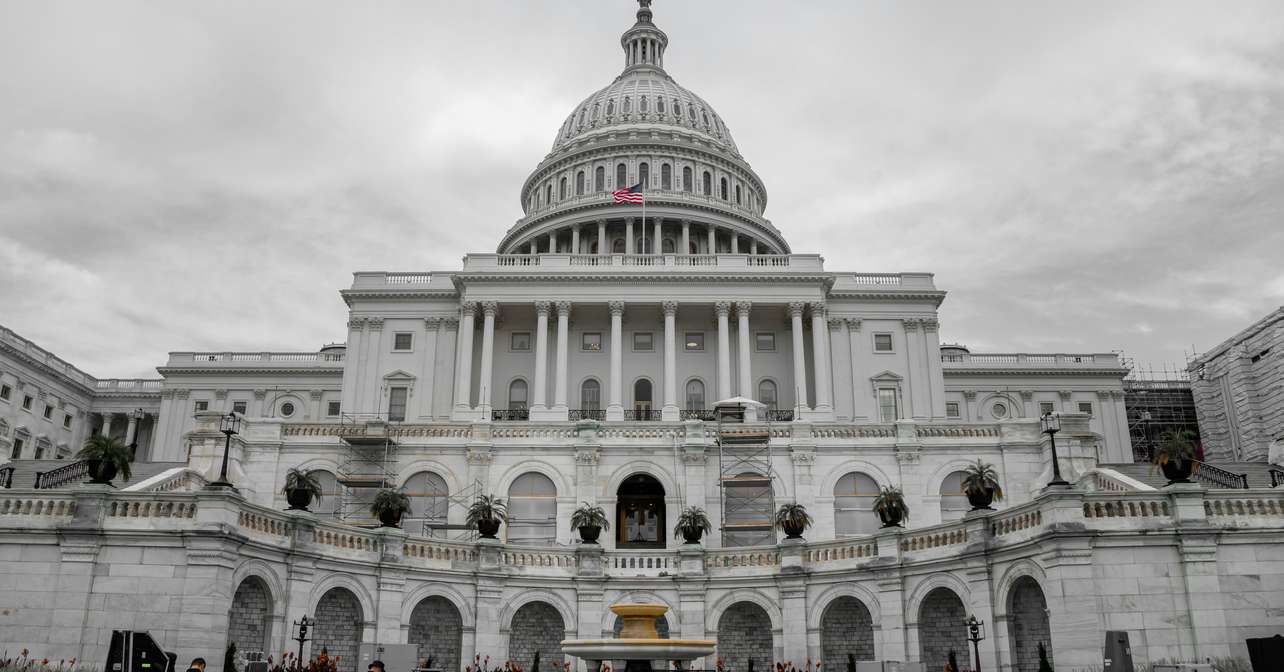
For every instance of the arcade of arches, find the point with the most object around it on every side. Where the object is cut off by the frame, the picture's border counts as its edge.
(940, 627)
(339, 622)
(846, 629)
(249, 622)
(437, 629)
(744, 635)
(537, 628)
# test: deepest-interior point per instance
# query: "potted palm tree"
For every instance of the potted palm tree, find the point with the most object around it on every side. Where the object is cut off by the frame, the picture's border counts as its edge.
(693, 523)
(981, 485)
(300, 489)
(1176, 454)
(890, 506)
(793, 519)
(485, 514)
(389, 506)
(104, 457)
(590, 520)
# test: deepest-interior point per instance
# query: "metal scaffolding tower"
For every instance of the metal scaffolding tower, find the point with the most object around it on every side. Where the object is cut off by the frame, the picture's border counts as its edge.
(744, 477)
(1156, 401)
(368, 465)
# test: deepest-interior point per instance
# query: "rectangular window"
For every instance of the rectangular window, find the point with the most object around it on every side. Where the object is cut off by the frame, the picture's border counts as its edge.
(66, 421)
(951, 409)
(26, 402)
(643, 341)
(766, 341)
(1045, 407)
(520, 341)
(694, 341)
(48, 412)
(332, 409)
(887, 410)
(403, 341)
(397, 403)
(239, 407)
(17, 449)
(591, 341)
(201, 406)
(5, 391)
(1085, 407)
(882, 343)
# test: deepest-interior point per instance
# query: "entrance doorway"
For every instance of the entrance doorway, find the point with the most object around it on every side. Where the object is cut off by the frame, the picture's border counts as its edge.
(640, 513)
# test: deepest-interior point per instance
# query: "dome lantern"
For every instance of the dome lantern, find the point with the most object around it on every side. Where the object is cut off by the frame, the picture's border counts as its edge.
(644, 44)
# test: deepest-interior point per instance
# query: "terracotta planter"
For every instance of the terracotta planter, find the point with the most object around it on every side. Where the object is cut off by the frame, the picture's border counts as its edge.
(298, 499)
(981, 500)
(692, 535)
(1177, 472)
(590, 533)
(487, 528)
(101, 471)
(892, 517)
(390, 518)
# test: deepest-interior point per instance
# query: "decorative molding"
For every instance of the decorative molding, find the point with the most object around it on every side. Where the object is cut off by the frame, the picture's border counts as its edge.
(467, 308)
(969, 394)
(744, 308)
(671, 307)
(722, 308)
(260, 394)
(911, 324)
(818, 308)
(615, 308)
(795, 309)
(563, 308)
(1027, 395)
(1103, 394)
(450, 322)
(432, 322)
(220, 394)
(182, 393)
(356, 323)
(587, 457)
(374, 323)
(906, 457)
(836, 322)
(931, 325)
(480, 456)
(490, 308)
(1064, 394)
(853, 323)
(542, 308)
(315, 395)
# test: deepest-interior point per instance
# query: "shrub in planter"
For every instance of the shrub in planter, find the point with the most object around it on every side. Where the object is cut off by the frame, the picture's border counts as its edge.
(105, 456)
(485, 515)
(590, 520)
(300, 489)
(389, 506)
(693, 523)
(1178, 449)
(793, 519)
(981, 485)
(890, 507)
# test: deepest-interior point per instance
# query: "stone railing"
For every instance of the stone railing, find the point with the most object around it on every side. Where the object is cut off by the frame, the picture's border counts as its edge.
(640, 563)
(1242, 506)
(854, 431)
(256, 359)
(438, 553)
(939, 536)
(959, 431)
(531, 559)
(345, 538)
(1149, 506)
(137, 385)
(653, 263)
(841, 551)
(135, 506)
(31, 504)
(737, 558)
(964, 360)
(45, 358)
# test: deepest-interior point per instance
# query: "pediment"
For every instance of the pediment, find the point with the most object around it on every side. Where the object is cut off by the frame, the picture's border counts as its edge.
(398, 375)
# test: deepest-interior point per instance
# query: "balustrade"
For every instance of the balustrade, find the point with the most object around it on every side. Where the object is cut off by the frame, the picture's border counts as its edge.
(576, 414)
(62, 475)
(1217, 476)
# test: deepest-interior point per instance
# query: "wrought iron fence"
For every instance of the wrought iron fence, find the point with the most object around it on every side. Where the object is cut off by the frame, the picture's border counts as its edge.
(641, 414)
(1218, 476)
(708, 415)
(587, 414)
(62, 475)
(510, 414)
(780, 415)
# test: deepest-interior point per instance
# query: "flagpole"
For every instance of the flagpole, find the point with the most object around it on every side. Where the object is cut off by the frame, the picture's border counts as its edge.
(643, 216)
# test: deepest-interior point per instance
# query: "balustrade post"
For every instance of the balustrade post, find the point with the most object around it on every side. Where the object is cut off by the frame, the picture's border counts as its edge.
(588, 560)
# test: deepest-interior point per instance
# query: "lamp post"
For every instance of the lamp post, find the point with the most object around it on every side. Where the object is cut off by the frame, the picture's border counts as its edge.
(229, 425)
(1051, 424)
(975, 633)
(133, 440)
(303, 623)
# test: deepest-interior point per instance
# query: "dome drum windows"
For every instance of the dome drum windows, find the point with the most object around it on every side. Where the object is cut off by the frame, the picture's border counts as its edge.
(644, 174)
(579, 185)
(599, 179)
(686, 179)
(666, 176)
(561, 189)
(621, 176)
(707, 185)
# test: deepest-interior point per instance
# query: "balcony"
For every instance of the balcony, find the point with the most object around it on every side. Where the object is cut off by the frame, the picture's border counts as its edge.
(641, 415)
(705, 414)
(577, 414)
(510, 414)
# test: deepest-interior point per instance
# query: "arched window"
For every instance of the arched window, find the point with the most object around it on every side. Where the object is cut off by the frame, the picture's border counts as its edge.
(953, 500)
(579, 186)
(705, 115)
(331, 496)
(666, 176)
(628, 104)
(659, 105)
(610, 108)
(642, 395)
(854, 495)
(599, 179)
(669, 247)
(532, 510)
(580, 122)
(767, 394)
(722, 188)
(561, 188)
(621, 176)
(677, 108)
(429, 498)
(693, 247)
(686, 179)
(644, 174)
(708, 184)
(691, 110)
(643, 245)
(617, 246)
(642, 104)
(596, 109)
(590, 395)
(737, 194)
(640, 513)
(517, 395)
(695, 395)
(548, 194)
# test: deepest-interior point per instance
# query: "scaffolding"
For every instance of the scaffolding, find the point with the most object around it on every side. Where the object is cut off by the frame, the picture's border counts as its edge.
(745, 479)
(1156, 401)
(444, 507)
(367, 465)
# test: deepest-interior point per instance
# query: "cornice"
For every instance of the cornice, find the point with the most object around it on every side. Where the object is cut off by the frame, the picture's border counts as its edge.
(937, 296)
(1015, 371)
(248, 370)
(396, 294)
(647, 276)
(45, 368)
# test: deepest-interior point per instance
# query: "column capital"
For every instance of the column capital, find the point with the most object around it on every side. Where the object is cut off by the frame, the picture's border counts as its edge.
(450, 322)
(374, 323)
(1064, 394)
(818, 308)
(669, 307)
(357, 323)
(685, 222)
(836, 322)
(315, 395)
(616, 307)
(795, 308)
(468, 308)
(931, 325)
(722, 308)
(628, 221)
(564, 308)
(1027, 395)
(542, 308)
(600, 222)
(911, 324)
(431, 322)
(743, 308)
(853, 323)
(490, 308)
(260, 394)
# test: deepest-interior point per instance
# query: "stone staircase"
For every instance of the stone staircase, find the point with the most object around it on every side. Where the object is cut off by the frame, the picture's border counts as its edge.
(1258, 473)
(24, 472)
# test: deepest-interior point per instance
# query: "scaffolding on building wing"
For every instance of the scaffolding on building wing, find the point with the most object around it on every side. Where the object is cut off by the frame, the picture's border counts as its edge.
(1157, 400)
(745, 475)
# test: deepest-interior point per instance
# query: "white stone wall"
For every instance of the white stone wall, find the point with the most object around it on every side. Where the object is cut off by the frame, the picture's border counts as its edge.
(1239, 392)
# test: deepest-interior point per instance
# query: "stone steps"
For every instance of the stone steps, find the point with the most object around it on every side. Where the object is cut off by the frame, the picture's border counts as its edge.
(24, 471)
(1258, 473)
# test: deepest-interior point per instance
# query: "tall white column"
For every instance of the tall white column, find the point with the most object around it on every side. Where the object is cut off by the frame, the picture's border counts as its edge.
(541, 356)
(575, 239)
(464, 365)
(105, 430)
(862, 394)
(602, 247)
(615, 405)
(670, 411)
(820, 357)
(753, 246)
(713, 239)
(659, 236)
(563, 337)
(722, 308)
(746, 343)
(935, 372)
(130, 428)
(917, 368)
(735, 243)
(552, 242)
(628, 236)
(800, 359)
(489, 308)
(686, 237)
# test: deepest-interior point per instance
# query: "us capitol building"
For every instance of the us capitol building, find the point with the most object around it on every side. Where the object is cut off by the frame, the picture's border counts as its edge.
(582, 363)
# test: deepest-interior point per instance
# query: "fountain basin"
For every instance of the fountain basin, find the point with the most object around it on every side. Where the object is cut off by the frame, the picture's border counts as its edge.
(638, 642)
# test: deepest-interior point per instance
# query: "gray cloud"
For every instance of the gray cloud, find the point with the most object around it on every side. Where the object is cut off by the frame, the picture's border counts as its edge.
(1081, 177)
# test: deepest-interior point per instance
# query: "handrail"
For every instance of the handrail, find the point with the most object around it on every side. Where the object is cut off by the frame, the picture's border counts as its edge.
(780, 415)
(586, 414)
(642, 414)
(706, 414)
(62, 475)
(503, 414)
(1218, 476)
(1277, 477)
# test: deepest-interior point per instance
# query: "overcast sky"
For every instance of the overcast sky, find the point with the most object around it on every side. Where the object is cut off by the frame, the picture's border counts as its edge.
(206, 175)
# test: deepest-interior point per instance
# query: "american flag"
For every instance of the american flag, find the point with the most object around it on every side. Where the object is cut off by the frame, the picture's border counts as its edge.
(632, 194)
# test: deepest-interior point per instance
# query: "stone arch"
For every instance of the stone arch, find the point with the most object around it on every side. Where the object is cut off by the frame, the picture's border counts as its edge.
(340, 621)
(932, 484)
(436, 466)
(301, 409)
(649, 468)
(714, 611)
(853, 590)
(940, 627)
(1014, 406)
(847, 466)
(564, 608)
(536, 628)
(846, 629)
(320, 588)
(437, 629)
(933, 582)
(444, 591)
(744, 635)
(1028, 624)
(512, 473)
(249, 620)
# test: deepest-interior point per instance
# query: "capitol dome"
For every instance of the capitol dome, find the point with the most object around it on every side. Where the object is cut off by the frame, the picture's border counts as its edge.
(643, 129)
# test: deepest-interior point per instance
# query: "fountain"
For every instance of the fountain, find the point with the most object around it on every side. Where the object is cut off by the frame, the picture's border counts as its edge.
(638, 643)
